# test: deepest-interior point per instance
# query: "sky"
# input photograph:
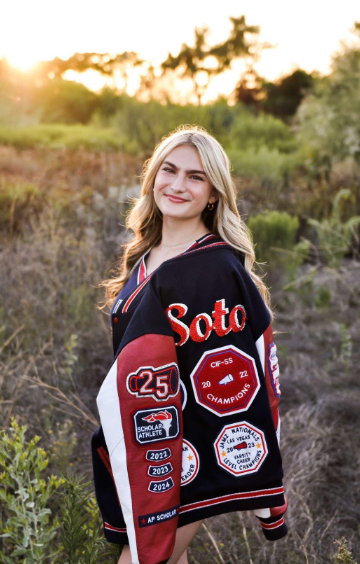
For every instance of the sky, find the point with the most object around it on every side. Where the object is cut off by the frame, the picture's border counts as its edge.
(305, 34)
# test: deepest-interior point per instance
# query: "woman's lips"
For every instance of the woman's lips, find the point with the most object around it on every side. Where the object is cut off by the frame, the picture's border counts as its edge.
(175, 199)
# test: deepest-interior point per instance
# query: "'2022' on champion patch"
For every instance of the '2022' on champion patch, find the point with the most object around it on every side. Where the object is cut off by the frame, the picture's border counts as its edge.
(225, 380)
(159, 383)
(156, 424)
(240, 448)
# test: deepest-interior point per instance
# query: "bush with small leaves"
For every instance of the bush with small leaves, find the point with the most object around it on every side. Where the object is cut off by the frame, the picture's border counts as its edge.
(27, 526)
(343, 555)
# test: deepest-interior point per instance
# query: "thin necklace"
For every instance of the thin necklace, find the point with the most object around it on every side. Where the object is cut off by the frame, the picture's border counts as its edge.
(184, 242)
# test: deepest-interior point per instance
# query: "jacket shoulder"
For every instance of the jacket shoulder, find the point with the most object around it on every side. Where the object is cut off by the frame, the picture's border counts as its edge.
(201, 278)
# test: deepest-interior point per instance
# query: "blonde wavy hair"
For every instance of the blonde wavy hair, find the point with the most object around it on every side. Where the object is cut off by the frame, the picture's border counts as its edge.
(145, 218)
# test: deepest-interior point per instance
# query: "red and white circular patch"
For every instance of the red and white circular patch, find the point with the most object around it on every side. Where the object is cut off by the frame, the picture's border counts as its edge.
(240, 448)
(190, 463)
(225, 380)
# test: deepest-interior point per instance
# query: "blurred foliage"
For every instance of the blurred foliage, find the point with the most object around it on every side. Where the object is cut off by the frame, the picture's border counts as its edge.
(63, 101)
(192, 61)
(60, 136)
(280, 98)
(343, 555)
(28, 527)
(31, 532)
(82, 540)
(328, 120)
(273, 230)
(274, 234)
(335, 235)
(322, 297)
(19, 202)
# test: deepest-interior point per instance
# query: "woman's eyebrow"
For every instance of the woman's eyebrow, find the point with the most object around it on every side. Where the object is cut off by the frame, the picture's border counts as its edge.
(187, 170)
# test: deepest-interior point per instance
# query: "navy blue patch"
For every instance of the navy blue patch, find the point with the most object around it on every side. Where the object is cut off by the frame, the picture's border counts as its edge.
(160, 383)
(154, 425)
(159, 471)
(159, 517)
(162, 486)
(158, 455)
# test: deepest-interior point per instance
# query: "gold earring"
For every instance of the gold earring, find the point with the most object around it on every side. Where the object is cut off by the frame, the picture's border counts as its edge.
(211, 206)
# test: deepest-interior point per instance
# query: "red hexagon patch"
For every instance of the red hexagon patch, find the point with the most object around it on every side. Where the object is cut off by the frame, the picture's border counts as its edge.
(240, 448)
(225, 380)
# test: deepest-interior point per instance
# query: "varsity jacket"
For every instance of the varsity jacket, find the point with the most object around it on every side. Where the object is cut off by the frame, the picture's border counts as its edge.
(189, 409)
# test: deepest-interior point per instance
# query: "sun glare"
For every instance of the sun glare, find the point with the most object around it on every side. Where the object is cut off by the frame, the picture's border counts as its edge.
(22, 61)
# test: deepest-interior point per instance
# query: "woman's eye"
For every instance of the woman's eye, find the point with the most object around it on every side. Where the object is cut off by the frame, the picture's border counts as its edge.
(196, 177)
(167, 169)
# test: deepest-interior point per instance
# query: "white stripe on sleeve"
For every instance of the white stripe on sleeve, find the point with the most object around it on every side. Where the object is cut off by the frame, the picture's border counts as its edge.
(109, 409)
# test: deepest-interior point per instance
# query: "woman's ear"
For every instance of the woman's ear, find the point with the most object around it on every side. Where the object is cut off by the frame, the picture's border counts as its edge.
(214, 196)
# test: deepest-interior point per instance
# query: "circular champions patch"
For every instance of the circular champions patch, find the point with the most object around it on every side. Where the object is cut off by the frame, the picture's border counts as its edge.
(240, 448)
(225, 380)
(190, 463)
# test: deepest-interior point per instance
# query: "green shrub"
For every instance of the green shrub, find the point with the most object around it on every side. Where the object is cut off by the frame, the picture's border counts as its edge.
(263, 163)
(273, 232)
(28, 526)
(80, 524)
(31, 532)
(60, 136)
(274, 235)
(322, 297)
(249, 131)
(343, 555)
(18, 203)
(336, 236)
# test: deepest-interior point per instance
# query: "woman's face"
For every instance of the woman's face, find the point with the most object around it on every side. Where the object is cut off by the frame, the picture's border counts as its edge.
(181, 188)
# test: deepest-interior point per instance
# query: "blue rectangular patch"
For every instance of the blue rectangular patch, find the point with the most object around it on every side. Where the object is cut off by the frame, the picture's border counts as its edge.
(159, 517)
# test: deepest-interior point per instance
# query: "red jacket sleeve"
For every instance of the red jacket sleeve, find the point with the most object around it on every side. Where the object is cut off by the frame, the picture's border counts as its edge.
(140, 410)
(269, 361)
(271, 519)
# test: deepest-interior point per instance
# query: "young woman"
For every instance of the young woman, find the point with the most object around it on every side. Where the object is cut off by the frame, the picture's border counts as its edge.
(189, 409)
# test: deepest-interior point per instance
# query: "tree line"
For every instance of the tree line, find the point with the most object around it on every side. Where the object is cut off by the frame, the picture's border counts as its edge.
(197, 63)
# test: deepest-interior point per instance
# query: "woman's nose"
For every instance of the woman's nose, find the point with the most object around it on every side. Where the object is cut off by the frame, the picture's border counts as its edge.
(178, 184)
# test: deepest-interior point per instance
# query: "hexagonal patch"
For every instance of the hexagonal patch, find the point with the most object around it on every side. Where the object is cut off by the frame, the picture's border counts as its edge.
(240, 448)
(225, 380)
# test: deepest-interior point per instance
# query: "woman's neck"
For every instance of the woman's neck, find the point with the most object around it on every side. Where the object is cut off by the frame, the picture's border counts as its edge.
(176, 234)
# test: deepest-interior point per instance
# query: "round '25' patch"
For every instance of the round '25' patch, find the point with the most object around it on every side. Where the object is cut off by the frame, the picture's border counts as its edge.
(225, 380)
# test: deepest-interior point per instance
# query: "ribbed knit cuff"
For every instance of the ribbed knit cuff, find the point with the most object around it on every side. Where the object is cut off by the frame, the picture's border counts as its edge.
(274, 528)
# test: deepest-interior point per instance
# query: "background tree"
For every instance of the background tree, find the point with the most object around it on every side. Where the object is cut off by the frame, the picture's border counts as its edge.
(118, 66)
(328, 120)
(202, 61)
(281, 98)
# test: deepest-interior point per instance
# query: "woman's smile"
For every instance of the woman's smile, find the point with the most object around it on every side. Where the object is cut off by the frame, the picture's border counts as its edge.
(175, 199)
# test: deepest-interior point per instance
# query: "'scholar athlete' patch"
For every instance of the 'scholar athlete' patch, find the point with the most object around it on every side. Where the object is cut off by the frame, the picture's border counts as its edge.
(153, 425)
(158, 517)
